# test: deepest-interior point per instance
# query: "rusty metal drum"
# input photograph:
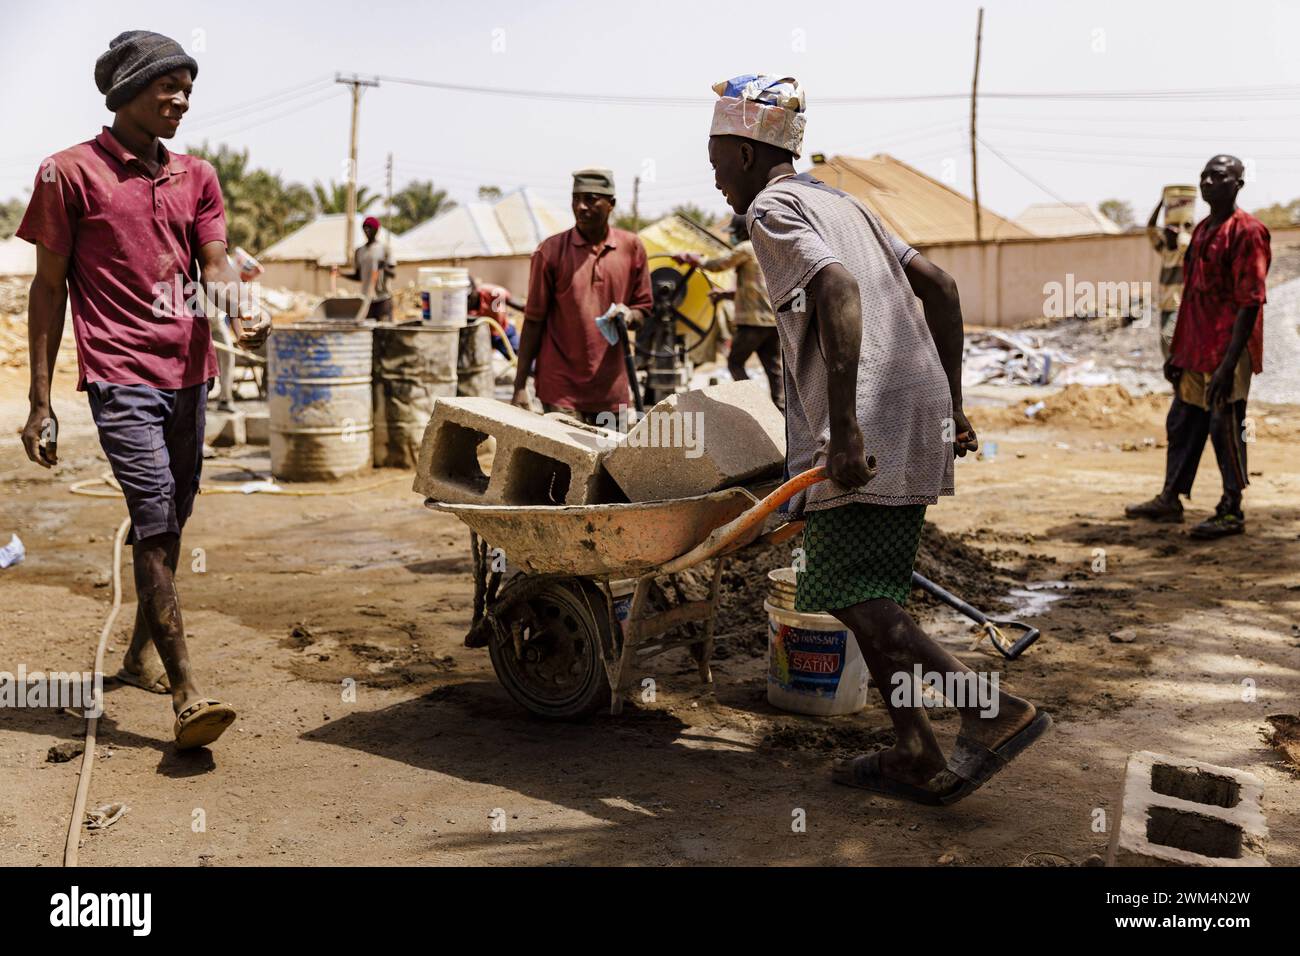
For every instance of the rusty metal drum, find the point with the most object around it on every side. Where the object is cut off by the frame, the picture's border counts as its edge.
(320, 400)
(414, 364)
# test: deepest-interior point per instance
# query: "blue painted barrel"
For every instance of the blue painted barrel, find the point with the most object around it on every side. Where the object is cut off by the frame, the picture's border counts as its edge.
(320, 400)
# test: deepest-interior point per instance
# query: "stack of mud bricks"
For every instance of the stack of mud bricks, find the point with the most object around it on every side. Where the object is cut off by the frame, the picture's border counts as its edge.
(1180, 812)
(689, 444)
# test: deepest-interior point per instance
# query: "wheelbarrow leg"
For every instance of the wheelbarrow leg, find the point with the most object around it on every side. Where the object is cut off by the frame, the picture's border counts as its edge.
(703, 651)
(622, 673)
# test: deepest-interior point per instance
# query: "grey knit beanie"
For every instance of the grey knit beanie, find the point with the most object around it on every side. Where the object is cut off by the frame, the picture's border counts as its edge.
(134, 60)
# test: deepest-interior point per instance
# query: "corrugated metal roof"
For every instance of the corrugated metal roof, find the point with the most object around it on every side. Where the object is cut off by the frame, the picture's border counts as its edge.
(321, 241)
(512, 225)
(1065, 219)
(917, 208)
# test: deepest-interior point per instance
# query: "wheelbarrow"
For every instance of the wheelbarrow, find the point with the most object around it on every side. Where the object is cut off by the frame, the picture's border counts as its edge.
(566, 636)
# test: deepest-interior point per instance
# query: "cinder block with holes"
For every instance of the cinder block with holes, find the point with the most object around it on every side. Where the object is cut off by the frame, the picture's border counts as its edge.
(1180, 812)
(539, 460)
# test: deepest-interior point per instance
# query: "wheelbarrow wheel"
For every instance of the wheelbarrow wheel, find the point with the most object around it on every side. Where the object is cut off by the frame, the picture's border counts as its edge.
(548, 652)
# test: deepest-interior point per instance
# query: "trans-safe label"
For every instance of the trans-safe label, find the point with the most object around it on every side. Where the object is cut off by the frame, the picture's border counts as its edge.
(806, 661)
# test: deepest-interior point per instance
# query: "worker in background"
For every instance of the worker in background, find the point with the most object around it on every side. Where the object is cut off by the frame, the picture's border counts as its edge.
(119, 222)
(489, 301)
(1170, 243)
(372, 269)
(574, 279)
(1218, 344)
(754, 323)
(867, 373)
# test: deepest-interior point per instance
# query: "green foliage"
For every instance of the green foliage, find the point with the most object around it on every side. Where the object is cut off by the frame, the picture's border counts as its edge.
(417, 202)
(334, 197)
(489, 193)
(11, 214)
(1278, 215)
(1117, 211)
(694, 213)
(625, 221)
(261, 208)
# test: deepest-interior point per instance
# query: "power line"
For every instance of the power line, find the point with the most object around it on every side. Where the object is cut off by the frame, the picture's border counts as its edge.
(1267, 92)
(1031, 179)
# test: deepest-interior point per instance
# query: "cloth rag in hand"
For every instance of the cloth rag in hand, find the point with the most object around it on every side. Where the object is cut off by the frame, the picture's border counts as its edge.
(606, 325)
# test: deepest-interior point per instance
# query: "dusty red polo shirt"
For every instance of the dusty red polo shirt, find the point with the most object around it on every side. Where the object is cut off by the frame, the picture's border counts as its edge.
(1225, 270)
(132, 242)
(570, 283)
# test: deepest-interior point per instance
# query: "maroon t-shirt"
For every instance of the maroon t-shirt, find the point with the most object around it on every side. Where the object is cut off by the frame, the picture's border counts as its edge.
(1225, 269)
(132, 242)
(571, 282)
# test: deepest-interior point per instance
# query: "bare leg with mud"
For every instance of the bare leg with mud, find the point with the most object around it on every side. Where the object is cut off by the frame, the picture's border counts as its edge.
(892, 643)
(154, 561)
(137, 658)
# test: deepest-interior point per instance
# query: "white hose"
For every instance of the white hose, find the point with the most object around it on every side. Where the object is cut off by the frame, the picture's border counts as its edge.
(92, 723)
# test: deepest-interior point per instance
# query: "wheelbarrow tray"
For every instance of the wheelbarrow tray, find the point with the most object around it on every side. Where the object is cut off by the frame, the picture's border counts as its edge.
(603, 541)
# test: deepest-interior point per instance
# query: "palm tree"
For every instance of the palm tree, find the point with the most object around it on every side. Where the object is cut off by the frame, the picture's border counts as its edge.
(260, 207)
(418, 202)
(334, 199)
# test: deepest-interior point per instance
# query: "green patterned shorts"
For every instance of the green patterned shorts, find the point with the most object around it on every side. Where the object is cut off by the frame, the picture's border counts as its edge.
(858, 552)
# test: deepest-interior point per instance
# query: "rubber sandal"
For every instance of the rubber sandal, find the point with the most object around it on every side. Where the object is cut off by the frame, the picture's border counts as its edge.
(864, 773)
(974, 764)
(154, 683)
(201, 722)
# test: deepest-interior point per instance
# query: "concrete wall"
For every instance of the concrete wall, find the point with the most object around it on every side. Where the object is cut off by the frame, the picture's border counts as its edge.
(1002, 283)
(306, 276)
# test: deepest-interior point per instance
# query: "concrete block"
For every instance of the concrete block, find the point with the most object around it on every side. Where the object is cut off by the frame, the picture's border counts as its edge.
(538, 460)
(1180, 812)
(257, 428)
(699, 441)
(224, 429)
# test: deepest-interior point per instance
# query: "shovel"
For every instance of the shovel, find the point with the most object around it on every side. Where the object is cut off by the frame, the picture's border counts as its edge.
(992, 628)
(613, 326)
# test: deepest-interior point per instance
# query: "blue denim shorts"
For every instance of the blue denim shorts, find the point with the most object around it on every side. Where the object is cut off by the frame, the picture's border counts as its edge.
(153, 438)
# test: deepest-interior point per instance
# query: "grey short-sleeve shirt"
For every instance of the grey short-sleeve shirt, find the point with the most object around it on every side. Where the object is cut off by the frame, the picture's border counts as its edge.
(798, 227)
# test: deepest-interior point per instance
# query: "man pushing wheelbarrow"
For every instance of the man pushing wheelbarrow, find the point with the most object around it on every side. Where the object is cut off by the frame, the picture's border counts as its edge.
(863, 370)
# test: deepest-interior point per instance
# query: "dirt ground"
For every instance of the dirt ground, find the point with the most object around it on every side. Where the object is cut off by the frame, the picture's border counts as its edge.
(299, 593)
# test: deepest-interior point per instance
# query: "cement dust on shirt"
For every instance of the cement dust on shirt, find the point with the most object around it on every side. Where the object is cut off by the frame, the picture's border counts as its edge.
(798, 227)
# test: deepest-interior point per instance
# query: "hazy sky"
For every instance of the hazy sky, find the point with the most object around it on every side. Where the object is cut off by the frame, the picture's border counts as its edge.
(265, 72)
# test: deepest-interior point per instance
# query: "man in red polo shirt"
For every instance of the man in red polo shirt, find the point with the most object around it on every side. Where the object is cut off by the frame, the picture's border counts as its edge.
(134, 235)
(574, 279)
(1218, 344)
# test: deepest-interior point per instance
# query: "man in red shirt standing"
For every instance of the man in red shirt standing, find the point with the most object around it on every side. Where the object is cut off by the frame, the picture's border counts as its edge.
(1217, 346)
(575, 277)
(134, 234)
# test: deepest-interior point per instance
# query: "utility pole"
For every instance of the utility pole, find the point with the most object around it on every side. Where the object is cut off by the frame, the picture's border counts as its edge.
(388, 211)
(974, 90)
(356, 83)
(636, 199)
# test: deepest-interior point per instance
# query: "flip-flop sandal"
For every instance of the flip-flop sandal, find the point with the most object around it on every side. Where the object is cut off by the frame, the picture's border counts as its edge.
(864, 773)
(154, 683)
(974, 764)
(201, 722)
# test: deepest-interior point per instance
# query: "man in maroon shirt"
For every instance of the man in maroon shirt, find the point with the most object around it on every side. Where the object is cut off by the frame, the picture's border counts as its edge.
(1218, 344)
(135, 236)
(575, 277)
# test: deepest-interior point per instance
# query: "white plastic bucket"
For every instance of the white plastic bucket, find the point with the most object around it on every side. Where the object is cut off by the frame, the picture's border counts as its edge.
(444, 292)
(620, 593)
(813, 664)
(1180, 205)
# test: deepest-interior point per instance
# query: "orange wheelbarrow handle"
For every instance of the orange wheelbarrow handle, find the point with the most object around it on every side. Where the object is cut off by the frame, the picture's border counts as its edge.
(724, 536)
